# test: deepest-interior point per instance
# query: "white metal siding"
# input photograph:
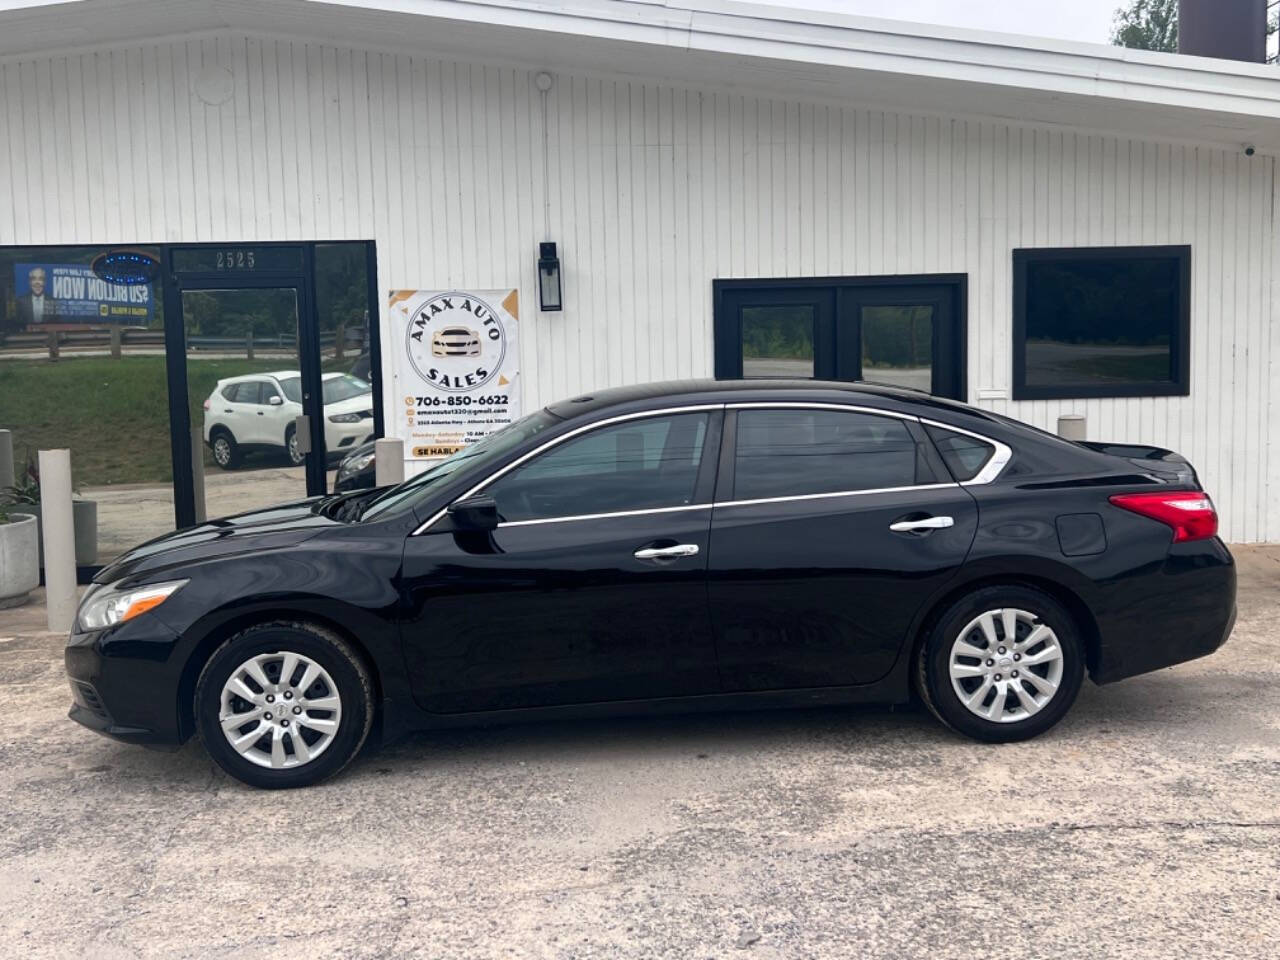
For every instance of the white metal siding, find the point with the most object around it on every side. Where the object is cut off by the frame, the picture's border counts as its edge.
(654, 191)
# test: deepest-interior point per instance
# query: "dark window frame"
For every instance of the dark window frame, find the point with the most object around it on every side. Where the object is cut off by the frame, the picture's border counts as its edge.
(1179, 343)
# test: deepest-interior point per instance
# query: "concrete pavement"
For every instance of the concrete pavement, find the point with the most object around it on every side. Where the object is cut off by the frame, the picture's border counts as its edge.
(1146, 825)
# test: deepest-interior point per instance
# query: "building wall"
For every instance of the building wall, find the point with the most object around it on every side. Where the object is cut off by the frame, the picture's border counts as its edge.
(651, 192)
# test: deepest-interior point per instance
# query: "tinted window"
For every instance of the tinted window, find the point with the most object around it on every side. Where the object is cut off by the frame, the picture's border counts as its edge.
(964, 456)
(1100, 322)
(637, 465)
(268, 391)
(782, 453)
(242, 392)
(343, 388)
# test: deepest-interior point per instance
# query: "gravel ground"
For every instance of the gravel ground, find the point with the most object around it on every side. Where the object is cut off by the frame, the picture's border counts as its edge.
(1146, 825)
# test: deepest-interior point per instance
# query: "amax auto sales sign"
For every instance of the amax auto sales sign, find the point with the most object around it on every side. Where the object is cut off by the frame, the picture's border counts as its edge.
(455, 367)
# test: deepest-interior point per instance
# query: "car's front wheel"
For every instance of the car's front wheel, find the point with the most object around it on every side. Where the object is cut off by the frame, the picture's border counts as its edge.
(291, 447)
(284, 704)
(1003, 663)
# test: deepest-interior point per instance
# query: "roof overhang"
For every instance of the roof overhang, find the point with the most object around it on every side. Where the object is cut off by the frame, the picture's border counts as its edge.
(720, 45)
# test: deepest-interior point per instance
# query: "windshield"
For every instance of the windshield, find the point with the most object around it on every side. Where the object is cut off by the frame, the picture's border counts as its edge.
(334, 389)
(490, 449)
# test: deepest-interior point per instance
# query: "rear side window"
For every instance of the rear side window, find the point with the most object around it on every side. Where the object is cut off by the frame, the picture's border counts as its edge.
(964, 456)
(784, 453)
(242, 392)
(637, 465)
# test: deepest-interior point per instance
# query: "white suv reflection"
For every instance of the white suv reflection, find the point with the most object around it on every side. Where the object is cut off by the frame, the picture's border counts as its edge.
(257, 412)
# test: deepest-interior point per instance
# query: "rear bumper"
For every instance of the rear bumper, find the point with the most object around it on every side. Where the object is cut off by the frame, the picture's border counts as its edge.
(1181, 612)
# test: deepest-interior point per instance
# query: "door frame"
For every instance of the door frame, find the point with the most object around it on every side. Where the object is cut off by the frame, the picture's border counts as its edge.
(303, 281)
(727, 335)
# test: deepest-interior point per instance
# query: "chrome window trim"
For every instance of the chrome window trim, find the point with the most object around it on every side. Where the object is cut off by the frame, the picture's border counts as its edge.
(556, 441)
(836, 493)
(818, 405)
(993, 467)
(605, 516)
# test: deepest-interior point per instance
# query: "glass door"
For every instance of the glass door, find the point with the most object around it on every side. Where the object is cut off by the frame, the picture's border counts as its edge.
(775, 332)
(245, 396)
(903, 335)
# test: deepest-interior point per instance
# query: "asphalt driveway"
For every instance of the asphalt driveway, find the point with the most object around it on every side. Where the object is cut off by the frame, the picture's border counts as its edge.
(1146, 825)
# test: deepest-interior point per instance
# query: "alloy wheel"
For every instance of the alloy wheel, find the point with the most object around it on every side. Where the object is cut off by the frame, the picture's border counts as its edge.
(280, 710)
(1006, 665)
(294, 454)
(221, 451)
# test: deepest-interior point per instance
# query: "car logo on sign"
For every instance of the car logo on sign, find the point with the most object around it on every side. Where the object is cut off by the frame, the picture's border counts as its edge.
(456, 342)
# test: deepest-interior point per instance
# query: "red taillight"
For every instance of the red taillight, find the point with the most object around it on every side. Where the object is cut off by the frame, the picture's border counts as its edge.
(206, 404)
(1189, 512)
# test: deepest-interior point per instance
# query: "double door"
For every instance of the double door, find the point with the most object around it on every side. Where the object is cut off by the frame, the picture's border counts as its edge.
(901, 331)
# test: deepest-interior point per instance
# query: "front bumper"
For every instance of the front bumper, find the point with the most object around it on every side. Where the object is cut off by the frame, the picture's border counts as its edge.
(124, 683)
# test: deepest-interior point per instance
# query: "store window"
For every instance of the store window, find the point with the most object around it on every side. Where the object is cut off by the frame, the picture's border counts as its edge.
(1101, 322)
(82, 366)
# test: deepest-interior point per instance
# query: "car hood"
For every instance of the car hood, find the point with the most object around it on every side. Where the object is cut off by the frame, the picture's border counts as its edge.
(275, 527)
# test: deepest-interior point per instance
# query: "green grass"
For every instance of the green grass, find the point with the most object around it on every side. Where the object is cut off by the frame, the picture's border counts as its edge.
(112, 414)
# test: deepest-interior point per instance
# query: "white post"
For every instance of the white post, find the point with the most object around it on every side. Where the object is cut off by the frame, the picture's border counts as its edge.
(59, 539)
(6, 460)
(388, 461)
(1071, 426)
(197, 472)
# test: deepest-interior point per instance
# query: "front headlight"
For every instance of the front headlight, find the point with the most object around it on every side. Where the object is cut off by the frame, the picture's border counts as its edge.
(108, 606)
(355, 464)
(345, 418)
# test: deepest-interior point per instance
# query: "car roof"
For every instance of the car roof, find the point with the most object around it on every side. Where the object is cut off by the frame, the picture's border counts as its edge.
(692, 392)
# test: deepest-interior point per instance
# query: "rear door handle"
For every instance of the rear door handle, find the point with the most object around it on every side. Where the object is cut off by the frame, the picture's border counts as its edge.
(667, 553)
(921, 526)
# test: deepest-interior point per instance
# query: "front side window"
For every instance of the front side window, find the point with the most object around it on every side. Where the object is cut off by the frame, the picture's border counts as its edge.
(640, 464)
(786, 453)
(1101, 322)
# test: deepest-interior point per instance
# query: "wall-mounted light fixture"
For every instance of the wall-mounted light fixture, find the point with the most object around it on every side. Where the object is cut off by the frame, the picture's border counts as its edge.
(548, 278)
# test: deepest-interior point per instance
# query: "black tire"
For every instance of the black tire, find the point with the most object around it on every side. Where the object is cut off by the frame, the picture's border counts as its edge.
(933, 665)
(290, 451)
(354, 687)
(225, 450)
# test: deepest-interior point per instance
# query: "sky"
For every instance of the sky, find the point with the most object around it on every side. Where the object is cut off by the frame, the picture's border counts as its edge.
(1087, 20)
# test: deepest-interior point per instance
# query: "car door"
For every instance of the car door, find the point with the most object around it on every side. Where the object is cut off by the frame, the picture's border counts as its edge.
(592, 587)
(272, 421)
(236, 408)
(831, 526)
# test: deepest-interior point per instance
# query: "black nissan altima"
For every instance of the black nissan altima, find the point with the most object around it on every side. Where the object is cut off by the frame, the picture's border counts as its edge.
(669, 547)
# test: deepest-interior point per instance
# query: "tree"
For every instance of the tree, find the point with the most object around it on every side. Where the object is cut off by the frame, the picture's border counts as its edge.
(1147, 25)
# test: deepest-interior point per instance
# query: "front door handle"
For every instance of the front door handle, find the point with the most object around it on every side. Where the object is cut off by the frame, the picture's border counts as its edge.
(922, 526)
(667, 553)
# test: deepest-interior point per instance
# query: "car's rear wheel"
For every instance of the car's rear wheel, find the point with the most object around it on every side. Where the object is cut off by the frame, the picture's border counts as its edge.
(284, 705)
(1003, 663)
(226, 452)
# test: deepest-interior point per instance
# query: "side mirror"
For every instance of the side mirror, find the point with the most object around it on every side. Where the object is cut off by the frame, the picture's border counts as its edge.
(275, 400)
(477, 513)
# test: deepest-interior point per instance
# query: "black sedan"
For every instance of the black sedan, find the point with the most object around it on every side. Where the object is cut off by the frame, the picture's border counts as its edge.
(669, 547)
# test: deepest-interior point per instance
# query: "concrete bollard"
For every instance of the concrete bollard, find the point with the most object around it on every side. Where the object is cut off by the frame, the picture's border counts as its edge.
(58, 527)
(1071, 426)
(197, 473)
(388, 462)
(6, 461)
(248, 344)
(115, 343)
